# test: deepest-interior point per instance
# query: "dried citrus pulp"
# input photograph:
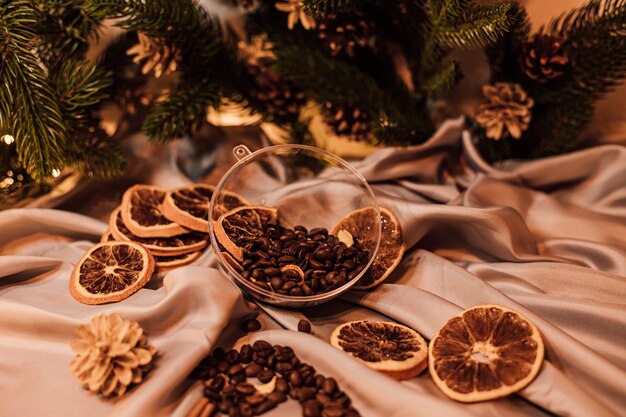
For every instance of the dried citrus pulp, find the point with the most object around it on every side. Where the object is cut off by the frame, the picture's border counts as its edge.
(189, 206)
(111, 271)
(237, 229)
(390, 348)
(486, 352)
(362, 225)
(142, 213)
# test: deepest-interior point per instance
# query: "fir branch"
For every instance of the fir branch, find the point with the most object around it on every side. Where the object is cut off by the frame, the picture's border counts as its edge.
(477, 27)
(182, 23)
(183, 111)
(328, 7)
(66, 27)
(596, 43)
(28, 109)
(504, 55)
(443, 79)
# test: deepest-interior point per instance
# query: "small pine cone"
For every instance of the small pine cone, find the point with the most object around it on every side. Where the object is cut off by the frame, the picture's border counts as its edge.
(111, 355)
(155, 55)
(347, 120)
(506, 111)
(544, 58)
(282, 98)
(345, 33)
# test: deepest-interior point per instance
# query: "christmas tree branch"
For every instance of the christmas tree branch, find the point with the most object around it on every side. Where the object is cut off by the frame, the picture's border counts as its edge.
(28, 109)
(183, 111)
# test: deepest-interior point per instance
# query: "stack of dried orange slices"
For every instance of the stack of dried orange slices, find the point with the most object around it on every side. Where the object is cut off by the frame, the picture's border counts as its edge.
(485, 352)
(153, 229)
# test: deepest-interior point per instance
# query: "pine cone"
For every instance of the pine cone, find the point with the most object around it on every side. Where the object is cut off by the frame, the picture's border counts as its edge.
(156, 55)
(347, 120)
(111, 354)
(282, 98)
(507, 106)
(344, 33)
(544, 58)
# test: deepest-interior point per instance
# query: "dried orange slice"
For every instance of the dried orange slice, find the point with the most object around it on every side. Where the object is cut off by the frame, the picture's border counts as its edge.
(486, 352)
(361, 225)
(166, 263)
(169, 246)
(110, 272)
(237, 229)
(189, 206)
(142, 212)
(390, 348)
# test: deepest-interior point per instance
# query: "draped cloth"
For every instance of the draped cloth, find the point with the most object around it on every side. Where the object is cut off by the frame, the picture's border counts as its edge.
(545, 237)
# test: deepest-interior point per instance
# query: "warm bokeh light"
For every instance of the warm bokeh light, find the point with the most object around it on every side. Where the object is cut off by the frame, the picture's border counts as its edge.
(8, 139)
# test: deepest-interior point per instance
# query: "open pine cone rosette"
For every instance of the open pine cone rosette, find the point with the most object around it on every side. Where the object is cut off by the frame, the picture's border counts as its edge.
(505, 112)
(112, 354)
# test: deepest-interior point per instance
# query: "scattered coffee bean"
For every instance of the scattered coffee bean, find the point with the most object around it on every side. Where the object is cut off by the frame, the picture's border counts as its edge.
(304, 326)
(251, 325)
(230, 393)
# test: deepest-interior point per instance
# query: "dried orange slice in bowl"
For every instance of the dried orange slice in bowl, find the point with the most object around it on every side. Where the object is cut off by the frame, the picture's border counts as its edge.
(390, 348)
(167, 246)
(237, 229)
(189, 206)
(361, 225)
(110, 272)
(142, 212)
(486, 352)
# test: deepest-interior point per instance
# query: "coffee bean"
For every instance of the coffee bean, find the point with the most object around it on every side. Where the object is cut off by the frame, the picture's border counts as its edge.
(287, 260)
(262, 284)
(323, 398)
(315, 264)
(282, 385)
(330, 385)
(245, 388)
(333, 411)
(295, 379)
(246, 410)
(222, 367)
(272, 272)
(292, 273)
(261, 345)
(304, 326)
(251, 325)
(265, 376)
(306, 393)
(216, 384)
(278, 397)
(235, 369)
(245, 274)
(245, 353)
(288, 285)
(276, 283)
(296, 292)
(219, 353)
(258, 275)
(264, 407)
(312, 408)
(255, 399)
(226, 405)
(283, 368)
(232, 357)
(307, 290)
(253, 370)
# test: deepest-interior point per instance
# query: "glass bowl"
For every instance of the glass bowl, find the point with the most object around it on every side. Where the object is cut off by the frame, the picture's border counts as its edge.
(309, 187)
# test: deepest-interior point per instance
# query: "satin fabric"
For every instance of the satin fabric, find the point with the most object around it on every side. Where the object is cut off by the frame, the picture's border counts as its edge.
(545, 237)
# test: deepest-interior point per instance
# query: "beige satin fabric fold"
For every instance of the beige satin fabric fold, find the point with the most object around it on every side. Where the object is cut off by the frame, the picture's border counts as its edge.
(544, 237)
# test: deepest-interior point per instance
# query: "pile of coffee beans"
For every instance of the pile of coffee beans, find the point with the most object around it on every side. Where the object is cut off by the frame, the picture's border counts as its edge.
(325, 262)
(226, 376)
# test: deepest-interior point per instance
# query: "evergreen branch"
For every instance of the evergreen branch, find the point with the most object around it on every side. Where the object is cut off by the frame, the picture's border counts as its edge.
(182, 23)
(447, 10)
(481, 26)
(99, 156)
(66, 27)
(444, 78)
(335, 80)
(183, 111)
(596, 43)
(28, 109)
(328, 7)
(503, 56)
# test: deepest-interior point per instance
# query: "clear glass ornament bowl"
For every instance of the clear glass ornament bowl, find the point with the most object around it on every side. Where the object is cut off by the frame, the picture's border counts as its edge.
(309, 187)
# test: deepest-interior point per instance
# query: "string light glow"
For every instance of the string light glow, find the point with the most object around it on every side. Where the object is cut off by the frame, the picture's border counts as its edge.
(8, 139)
(56, 173)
